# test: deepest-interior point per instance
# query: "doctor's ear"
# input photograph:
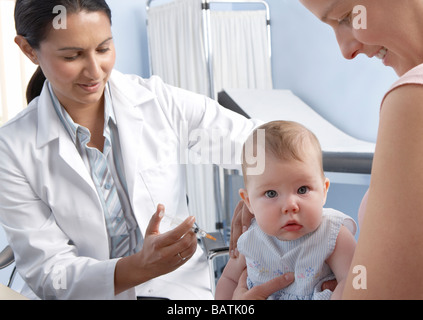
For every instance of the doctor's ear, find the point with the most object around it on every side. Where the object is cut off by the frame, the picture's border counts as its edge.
(26, 48)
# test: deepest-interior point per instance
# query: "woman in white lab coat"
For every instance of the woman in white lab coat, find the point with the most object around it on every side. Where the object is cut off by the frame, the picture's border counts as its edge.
(52, 202)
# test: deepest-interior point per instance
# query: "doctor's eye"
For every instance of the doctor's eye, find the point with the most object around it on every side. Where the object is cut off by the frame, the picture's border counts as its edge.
(303, 190)
(271, 194)
(72, 58)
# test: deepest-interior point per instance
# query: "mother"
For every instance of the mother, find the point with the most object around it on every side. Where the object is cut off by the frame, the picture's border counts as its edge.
(391, 237)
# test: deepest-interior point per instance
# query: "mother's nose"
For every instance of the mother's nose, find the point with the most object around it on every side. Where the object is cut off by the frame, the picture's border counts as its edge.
(349, 45)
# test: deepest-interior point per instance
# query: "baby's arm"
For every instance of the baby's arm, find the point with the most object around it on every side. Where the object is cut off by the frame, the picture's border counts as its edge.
(341, 258)
(229, 279)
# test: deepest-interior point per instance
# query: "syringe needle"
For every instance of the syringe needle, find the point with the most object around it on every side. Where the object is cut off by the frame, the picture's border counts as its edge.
(210, 237)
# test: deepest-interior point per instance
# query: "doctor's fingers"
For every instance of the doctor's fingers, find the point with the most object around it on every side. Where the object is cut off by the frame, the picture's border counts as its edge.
(184, 256)
(154, 224)
(173, 236)
(159, 260)
(182, 249)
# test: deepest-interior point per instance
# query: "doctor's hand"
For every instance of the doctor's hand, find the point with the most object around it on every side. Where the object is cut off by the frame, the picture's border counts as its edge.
(241, 221)
(160, 254)
(163, 253)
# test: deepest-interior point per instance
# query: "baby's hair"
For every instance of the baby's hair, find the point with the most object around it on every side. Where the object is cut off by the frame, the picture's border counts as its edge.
(285, 140)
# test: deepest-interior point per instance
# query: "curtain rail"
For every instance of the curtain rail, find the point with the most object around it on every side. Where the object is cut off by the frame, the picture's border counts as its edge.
(205, 4)
(205, 7)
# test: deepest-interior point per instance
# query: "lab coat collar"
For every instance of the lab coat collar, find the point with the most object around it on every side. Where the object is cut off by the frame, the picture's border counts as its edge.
(128, 97)
(127, 92)
(49, 124)
(51, 128)
(124, 92)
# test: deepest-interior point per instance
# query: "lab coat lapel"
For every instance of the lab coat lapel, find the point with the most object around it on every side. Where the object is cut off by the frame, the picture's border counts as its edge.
(127, 98)
(50, 128)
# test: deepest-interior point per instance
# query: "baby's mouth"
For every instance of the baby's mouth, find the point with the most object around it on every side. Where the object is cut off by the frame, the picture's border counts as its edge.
(292, 226)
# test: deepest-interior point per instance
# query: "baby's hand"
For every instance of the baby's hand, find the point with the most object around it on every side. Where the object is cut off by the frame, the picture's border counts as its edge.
(329, 285)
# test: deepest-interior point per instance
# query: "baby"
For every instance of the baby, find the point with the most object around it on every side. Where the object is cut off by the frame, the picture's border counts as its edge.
(291, 231)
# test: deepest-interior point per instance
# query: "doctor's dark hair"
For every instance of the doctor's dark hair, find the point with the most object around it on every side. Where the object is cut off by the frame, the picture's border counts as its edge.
(33, 21)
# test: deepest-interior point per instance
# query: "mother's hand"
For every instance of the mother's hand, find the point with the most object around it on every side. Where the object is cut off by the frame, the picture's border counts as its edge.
(261, 292)
(240, 223)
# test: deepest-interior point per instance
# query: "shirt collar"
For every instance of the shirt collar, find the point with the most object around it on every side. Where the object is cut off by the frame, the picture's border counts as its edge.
(72, 127)
(109, 114)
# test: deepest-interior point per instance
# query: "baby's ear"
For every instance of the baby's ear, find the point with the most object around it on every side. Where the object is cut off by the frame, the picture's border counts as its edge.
(244, 196)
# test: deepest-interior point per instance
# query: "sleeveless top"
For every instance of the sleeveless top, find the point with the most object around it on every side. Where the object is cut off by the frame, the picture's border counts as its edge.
(413, 76)
(268, 257)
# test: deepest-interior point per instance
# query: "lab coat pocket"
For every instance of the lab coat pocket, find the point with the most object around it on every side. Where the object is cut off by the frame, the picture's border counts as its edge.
(166, 184)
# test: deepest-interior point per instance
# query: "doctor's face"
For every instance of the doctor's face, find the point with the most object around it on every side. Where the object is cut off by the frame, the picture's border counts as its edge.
(79, 59)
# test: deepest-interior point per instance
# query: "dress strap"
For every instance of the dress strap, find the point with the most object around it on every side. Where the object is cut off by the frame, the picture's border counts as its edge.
(413, 76)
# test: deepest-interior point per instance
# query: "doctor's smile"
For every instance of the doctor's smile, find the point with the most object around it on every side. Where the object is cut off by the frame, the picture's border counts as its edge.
(91, 88)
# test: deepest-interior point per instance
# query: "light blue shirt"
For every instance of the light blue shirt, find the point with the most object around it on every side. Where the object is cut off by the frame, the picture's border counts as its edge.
(112, 153)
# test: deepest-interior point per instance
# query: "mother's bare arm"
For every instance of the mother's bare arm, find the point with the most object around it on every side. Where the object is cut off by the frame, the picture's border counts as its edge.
(391, 237)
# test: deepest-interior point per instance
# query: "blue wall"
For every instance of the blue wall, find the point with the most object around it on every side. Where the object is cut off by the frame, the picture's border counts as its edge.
(306, 60)
(130, 36)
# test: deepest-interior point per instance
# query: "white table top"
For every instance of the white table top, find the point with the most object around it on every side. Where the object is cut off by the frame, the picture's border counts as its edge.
(270, 105)
(9, 294)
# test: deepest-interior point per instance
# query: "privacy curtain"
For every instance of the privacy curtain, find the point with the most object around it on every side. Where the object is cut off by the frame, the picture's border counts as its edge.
(175, 33)
(241, 59)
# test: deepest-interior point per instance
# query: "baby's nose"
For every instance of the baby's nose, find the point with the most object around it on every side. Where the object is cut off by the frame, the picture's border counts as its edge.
(291, 206)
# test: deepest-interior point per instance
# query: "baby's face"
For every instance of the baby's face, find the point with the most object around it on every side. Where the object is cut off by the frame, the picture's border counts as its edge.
(287, 199)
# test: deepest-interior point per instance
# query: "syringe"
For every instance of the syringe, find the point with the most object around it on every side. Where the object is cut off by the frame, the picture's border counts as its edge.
(174, 221)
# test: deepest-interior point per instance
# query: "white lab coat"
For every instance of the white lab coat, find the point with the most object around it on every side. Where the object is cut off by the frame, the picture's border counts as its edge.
(49, 207)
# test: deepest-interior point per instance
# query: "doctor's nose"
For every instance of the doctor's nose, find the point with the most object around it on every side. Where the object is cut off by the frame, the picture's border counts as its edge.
(92, 68)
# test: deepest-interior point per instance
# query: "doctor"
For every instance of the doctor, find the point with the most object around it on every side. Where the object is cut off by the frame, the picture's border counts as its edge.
(94, 155)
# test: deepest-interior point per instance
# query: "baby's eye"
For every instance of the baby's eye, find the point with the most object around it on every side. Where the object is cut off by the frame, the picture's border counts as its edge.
(303, 190)
(271, 194)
